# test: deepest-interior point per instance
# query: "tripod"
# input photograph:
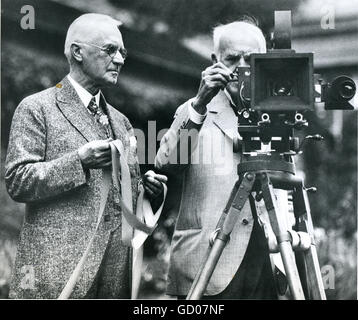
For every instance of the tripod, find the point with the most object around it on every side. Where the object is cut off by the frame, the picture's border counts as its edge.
(274, 94)
(263, 174)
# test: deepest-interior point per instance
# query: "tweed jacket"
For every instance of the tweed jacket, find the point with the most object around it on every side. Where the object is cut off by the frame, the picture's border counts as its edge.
(209, 175)
(62, 199)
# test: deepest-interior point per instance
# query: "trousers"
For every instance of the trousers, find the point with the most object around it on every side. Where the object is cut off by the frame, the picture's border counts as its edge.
(254, 278)
(112, 280)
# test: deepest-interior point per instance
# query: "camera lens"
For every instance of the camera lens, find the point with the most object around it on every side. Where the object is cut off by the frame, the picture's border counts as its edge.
(282, 88)
(343, 88)
(347, 91)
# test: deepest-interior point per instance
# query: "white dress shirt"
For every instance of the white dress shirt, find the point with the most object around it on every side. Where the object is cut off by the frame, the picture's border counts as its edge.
(84, 95)
(195, 116)
(199, 118)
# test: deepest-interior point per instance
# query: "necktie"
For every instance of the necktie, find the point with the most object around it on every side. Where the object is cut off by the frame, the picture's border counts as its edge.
(99, 116)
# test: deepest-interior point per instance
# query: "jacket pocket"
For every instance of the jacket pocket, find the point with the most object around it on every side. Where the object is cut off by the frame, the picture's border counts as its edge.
(189, 213)
(188, 220)
(191, 204)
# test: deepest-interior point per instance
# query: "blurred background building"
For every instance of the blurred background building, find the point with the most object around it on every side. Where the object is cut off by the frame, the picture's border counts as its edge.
(169, 44)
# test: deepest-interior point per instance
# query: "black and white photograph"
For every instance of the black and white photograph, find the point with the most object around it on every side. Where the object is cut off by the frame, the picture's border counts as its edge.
(175, 150)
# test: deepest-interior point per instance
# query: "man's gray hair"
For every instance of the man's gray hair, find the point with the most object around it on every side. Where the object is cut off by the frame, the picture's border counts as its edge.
(80, 29)
(239, 26)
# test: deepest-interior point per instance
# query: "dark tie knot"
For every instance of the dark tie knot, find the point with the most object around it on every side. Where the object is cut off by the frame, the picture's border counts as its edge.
(99, 115)
(92, 106)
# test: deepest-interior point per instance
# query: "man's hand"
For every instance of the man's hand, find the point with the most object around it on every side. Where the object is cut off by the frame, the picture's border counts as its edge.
(213, 79)
(153, 183)
(95, 154)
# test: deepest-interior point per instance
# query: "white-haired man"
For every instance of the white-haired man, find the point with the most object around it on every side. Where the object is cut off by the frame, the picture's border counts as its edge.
(59, 144)
(243, 270)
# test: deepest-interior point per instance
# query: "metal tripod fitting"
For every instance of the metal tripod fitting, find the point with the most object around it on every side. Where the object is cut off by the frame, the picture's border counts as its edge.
(277, 221)
(230, 215)
(265, 177)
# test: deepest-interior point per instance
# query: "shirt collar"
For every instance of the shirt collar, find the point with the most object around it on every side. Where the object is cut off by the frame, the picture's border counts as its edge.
(84, 95)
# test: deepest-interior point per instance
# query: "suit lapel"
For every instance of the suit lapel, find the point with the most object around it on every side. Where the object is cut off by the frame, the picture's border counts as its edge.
(223, 115)
(74, 111)
(116, 124)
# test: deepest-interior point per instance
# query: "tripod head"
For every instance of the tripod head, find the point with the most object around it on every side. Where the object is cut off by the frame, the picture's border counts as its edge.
(277, 91)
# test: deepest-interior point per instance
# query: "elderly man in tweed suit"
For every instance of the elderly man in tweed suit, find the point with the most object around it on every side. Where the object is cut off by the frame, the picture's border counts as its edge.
(59, 142)
(209, 169)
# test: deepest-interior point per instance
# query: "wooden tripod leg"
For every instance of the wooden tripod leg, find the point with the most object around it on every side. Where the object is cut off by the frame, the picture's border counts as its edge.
(279, 227)
(238, 197)
(310, 256)
(282, 291)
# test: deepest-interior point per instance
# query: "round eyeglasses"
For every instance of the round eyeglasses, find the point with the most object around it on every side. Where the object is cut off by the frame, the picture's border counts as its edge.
(111, 50)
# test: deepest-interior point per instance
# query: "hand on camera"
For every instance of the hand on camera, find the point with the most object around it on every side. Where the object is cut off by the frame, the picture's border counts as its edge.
(213, 79)
(95, 154)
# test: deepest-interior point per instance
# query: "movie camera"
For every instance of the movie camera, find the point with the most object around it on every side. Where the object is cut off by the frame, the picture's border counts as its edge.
(279, 88)
(275, 93)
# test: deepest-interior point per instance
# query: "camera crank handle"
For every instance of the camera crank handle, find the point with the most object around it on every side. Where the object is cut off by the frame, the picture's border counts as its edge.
(311, 189)
(316, 137)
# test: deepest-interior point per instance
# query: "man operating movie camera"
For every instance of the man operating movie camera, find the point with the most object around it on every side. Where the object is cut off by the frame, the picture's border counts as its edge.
(236, 235)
